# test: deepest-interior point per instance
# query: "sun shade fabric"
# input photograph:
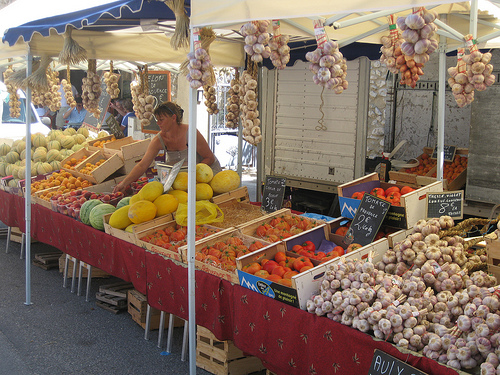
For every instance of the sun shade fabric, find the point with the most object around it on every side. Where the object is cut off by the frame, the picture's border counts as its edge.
(112, 15)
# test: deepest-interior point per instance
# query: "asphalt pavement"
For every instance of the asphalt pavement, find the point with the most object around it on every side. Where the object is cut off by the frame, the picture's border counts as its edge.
(59, 333)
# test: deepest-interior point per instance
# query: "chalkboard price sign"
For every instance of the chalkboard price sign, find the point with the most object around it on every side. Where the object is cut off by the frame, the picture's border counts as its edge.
(448, 203)
(383, 363)
(274, 191)
(367, 221)
(449, 152)
(159, 87)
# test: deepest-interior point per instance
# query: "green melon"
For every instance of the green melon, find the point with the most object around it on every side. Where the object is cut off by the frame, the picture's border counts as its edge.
(55, 164)
(40, 155)
(21, 146)
(9, 170)
(12, 157)
(53, 134)
(52, 155)
(69, 131)
(3, 165)
(39, 140)
(97, 214)
(77, 147)
(4, 149)
(86, 208)
(44, 168)
(123, 202)
(67, 142)
(54, 145)
(84, 131)
(79, 138)
(20, 172)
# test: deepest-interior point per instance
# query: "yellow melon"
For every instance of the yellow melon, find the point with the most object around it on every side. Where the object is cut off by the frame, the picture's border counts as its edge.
(141, 211)
(225, 181)
(181, 181)
(203, 191)
(151, 190)
(165, 204)
(203, 173)
(130, 228)
(119, 219)
(39, 140)
(181, 195)
(135, 198)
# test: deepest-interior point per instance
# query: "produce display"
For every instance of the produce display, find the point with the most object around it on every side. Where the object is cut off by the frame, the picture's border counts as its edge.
(450, 169)
(391, 194)
(223, 254)
(101, 143)
(89, 167)
(71, 203)
(422, 295)
(282, 227)
(174, 236)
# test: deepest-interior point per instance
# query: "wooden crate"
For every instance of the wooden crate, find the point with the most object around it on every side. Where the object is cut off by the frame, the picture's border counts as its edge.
(493, 251)
(96, 272)
(16, 235)
(112, 163)
(48, 260)
(129, 150)
(137, 308)
(90, 144)
(417, 181)
(239, 195)
(222, 357)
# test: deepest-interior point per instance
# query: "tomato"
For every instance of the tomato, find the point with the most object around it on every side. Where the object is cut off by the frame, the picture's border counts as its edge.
(309, 246)
(279, 270)
(261, 273)
(255, 246)
(200, 256)
(378, 192)
(261, 231)
(352, 247)
(406, 190)
(285, 282)
(298, 264)
(305, 268)
(339, 250)
(392, 189)
(304, 224)
(269, 266)
(320, 255)
(280, 257)
(178, 235)
(341, 231)
(290, 274)
(274, 278)
(234, 241)
(215, 252)
(358, 195)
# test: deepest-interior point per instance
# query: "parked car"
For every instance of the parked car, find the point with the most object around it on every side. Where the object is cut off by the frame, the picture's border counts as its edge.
(15, 128)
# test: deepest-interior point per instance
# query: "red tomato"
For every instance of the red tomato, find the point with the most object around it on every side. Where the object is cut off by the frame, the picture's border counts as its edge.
(358, 195)
(309, 246)
(378, 192)
(406, 190)
(297, 248)
(341, 231)
(391, 189)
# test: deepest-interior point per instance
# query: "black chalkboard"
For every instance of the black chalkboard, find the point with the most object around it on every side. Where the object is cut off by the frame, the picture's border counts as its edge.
(367, 221)
(159, 87)
(102, 104)
(449, 152)
(448, 203)
(383, 363)
(274, 191)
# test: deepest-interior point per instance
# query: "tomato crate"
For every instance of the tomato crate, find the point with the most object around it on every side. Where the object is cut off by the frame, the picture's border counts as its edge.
(218, 269)
(160, 224)
(129, 150)
(112, 162)
(222, 357)
(412, 205)
(137, 307)
(416, 181)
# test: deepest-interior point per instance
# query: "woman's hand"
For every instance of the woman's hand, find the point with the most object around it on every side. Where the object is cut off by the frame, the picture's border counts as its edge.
(121, 187)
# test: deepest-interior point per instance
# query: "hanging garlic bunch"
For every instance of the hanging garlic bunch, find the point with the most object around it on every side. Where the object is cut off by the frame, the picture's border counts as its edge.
(142, 101)
(68, 92)
(278, 44)
(91, 89)
(329, 67)
(200, 68)
(111, 80)
(248, 108)
(409, 69)
(387, 58)
(418, 32)
(256, 38)
(14, 102)
(462, 89)
(211, 100)
(479, 69)
(48, 96)
(233, 103)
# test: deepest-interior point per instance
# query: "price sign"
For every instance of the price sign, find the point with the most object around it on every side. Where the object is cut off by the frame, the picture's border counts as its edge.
(369, 217)
(449, 152)
(448, 203)
(274, 191)
(383, 363)
(159, 87)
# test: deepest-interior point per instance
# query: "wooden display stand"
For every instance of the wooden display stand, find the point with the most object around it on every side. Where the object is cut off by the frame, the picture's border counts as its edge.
(138, 307)
(222, 357)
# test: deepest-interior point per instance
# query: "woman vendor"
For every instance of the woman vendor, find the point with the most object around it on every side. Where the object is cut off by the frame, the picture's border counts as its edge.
(173, 138)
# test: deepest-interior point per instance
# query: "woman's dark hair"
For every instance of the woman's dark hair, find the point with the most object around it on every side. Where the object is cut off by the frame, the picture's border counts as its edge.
(169, 109)
(128, 105)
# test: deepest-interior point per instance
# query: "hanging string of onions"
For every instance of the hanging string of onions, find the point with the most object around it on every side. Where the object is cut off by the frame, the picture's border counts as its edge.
(68, 92)
(180, 39)
(14, 103)
(72, 52)
(91, 89)
(111, 81)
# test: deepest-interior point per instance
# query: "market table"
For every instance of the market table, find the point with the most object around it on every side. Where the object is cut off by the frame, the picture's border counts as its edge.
(288, 340)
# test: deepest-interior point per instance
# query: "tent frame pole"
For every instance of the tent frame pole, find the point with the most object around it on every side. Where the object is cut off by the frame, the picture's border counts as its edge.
(27, 176)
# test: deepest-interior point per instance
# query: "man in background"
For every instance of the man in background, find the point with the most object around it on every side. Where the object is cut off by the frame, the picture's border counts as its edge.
(74, 116)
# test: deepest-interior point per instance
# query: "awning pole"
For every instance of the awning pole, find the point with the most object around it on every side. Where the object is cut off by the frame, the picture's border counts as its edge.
(192, 222)
(27, 176)
(441, 106)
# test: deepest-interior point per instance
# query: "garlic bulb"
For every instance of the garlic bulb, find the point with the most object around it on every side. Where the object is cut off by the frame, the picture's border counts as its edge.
(256, 39)
(329, 67)
(91, 89)
(248, 108)
(211, 100)
(111, 80)
(200, 68)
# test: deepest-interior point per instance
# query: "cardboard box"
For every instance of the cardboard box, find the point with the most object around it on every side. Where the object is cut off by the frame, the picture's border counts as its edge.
(222, 357)
(209, 241)
(417, 181)
(412, 205)
(137, 305)
(112, 163)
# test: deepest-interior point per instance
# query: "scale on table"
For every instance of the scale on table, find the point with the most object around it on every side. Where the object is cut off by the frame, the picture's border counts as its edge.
(168, 173)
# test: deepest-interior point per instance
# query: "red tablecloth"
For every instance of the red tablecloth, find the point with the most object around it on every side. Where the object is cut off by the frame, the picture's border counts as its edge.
(287, 339)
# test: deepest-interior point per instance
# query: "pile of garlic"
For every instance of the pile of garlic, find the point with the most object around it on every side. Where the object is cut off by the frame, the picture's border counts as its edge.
(256, 38)
(14, 102)
(211, 100)
(248, 108)
(418, 32)
(200, 68)
(329, 67)
(91, 90)
(143, 104)
(479, 70)
(111, 80)
(233, 104)
(462, 89)
(68, 93)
